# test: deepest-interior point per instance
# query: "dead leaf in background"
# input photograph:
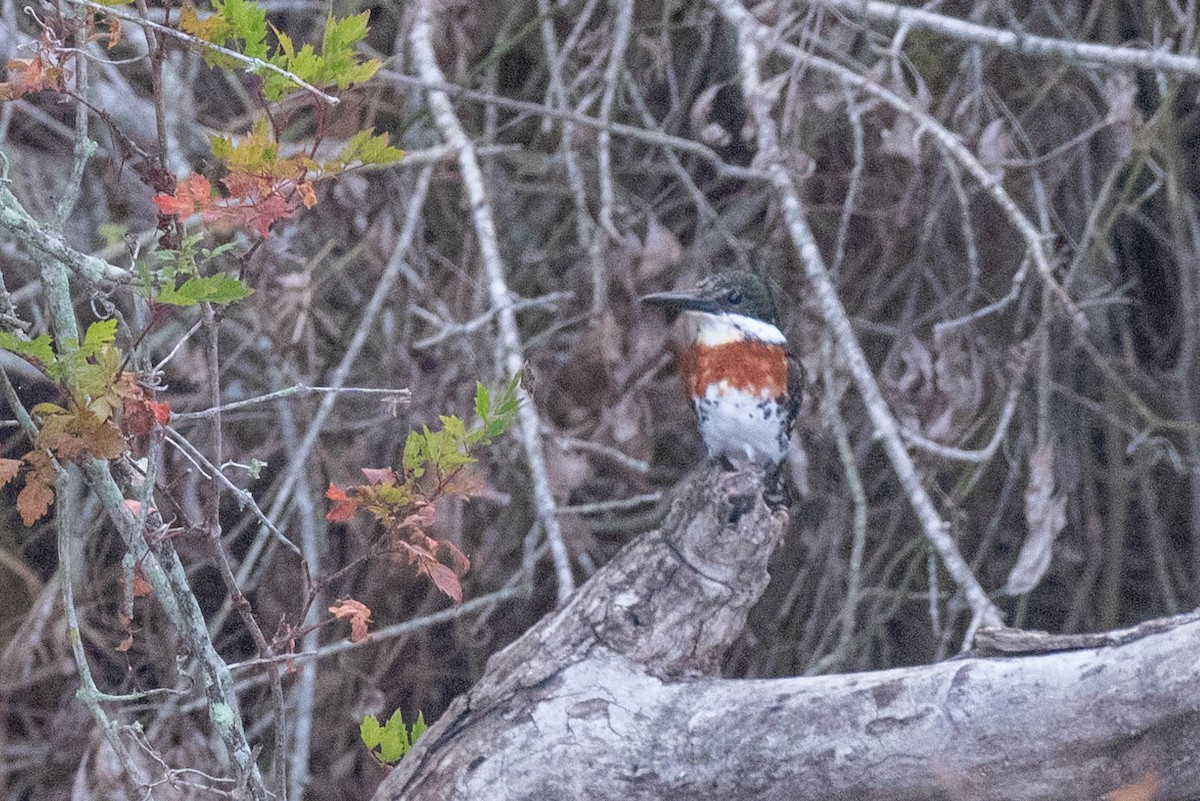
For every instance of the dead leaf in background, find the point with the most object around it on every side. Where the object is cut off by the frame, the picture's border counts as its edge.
(700, 117)
(566, 469)
(1142, 790)
(1120, 92)
(908, 381)
(915, 376)
(902, 139)
(995, 146)
(8, 470)
(1045, 516)
(660, 251)
(958, 375)
(587, 376)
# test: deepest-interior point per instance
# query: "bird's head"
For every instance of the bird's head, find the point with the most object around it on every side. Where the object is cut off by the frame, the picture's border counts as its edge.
(729, 306)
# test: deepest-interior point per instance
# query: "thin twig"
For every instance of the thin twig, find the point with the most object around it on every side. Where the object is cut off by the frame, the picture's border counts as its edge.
(401, 396)
(66, 492)
(612, 80)
(244, 497)
(679, 143)
(984, 454)
(858, 495)
(615, 505)
(450, 329)
(394, 630)
(585, 227)
(1103, 55)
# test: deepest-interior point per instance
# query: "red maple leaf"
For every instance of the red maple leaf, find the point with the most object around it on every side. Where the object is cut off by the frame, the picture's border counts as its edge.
(192, 194)
(261, 215)
(343, 505)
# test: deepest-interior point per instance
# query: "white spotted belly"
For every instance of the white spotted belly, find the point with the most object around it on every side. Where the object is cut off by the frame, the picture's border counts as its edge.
(741, 426)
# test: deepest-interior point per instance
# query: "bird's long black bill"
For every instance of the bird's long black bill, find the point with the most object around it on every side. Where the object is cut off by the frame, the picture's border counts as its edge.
(678, 301)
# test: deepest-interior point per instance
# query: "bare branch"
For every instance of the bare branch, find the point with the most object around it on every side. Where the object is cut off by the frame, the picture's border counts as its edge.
(1099, 55)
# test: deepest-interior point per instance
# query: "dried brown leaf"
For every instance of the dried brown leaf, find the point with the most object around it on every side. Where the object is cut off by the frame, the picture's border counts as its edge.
(446, 581)
(660, 251)
(1141, 790)
(34, 500)
(357, 612)
(1045, 516)
(8, 470)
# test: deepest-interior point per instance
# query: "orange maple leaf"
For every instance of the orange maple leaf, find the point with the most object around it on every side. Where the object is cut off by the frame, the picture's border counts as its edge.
(29, 75)
(34, 500)
(141, 586)
(8, 470)
(358, 613)
(1141, 790)
(343, 505)
(446, 580)
(192, 194)
(142, 413)
(307, 195)
(114, 32)
(261, 215)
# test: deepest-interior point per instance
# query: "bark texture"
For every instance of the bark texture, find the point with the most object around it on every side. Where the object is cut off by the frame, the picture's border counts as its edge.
(616, 695)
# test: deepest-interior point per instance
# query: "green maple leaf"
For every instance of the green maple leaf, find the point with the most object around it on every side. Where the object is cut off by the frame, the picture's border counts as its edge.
(416, 453)
(253, 152)
(219, 288)
(371, 732)
(367, 148)
(338, 63)
(394, 739)
(40, 348)
(245, 23)
(341, 63)
(99, 334)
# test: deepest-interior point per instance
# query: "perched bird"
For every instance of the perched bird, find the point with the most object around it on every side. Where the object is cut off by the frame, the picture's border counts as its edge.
(734, 363)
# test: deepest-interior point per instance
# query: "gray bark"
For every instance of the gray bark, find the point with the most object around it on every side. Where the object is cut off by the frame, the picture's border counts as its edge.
(617, 695)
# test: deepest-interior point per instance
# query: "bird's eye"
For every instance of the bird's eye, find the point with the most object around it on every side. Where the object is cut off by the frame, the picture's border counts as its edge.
(734, 296)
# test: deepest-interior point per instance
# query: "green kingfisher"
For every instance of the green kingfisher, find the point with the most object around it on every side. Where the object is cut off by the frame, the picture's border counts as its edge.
(734, 363)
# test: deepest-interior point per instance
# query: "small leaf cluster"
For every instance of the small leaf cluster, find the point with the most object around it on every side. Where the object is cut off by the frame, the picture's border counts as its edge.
(261, 186)
(85, 369)
(45, 70)
(175, 281)
(242, 25)
(394, 739)
(449, 448)
(337, 63)
(102, 404)
(401, 501)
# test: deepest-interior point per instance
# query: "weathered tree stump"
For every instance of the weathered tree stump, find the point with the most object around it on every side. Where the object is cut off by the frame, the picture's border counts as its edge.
(617, 695)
